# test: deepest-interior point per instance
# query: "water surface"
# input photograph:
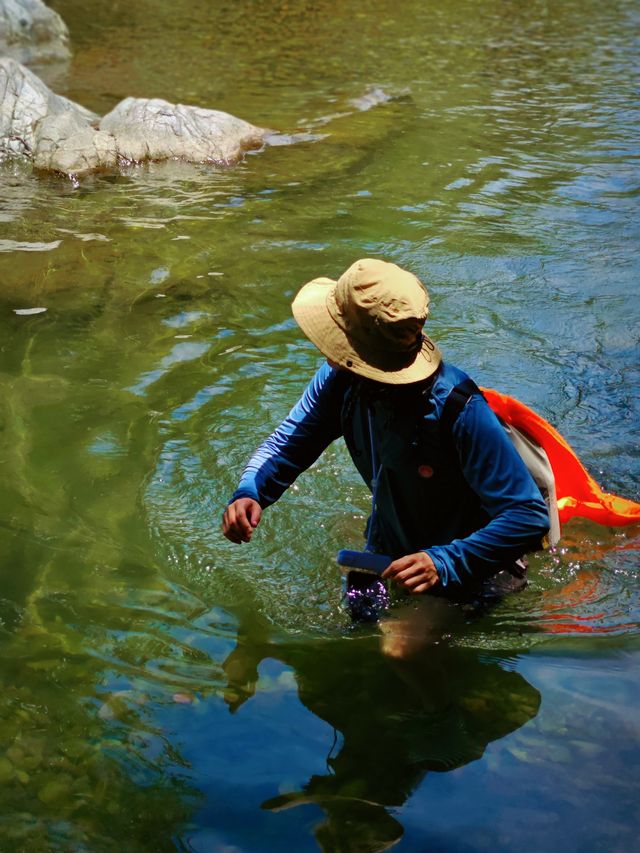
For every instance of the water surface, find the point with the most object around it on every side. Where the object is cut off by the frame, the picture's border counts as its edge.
(164, 689)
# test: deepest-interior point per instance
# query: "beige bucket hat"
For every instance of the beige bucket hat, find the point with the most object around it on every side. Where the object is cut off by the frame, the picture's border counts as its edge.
(370, 321)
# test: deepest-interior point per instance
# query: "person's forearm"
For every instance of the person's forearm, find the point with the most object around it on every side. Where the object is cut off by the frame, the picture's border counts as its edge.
(274, 467)
(312, 424)
(506, 538)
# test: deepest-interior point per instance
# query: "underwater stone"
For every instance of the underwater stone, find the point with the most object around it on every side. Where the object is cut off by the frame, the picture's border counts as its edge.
(15, 754)
(55, 791)
(6, 770)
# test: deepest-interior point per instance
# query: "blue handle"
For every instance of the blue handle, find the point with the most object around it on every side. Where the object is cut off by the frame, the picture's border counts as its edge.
(364, 560)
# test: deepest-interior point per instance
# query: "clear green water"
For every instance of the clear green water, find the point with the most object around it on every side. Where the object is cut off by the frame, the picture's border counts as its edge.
(163, 689)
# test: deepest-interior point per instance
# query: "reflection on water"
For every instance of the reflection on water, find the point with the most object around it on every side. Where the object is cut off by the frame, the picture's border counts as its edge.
(163, 689)
(394, 720)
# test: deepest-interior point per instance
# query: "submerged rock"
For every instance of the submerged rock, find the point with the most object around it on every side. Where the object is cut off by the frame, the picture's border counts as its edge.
(6, 770)
(373, 97)
(61, 136)
(31, 32)
(56, 791)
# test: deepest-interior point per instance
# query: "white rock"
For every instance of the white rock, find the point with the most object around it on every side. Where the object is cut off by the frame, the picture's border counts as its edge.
(66, 144)
(58, 135)
(153, 129)
(31, 32)
(25, 102)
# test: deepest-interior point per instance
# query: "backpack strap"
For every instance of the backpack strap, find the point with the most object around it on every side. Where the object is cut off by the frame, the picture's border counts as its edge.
(456, 400)
(532, 454)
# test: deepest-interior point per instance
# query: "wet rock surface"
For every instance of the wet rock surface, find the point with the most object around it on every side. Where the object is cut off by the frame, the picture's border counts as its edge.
(57, 135)
(61, 136)
(28, 109)
(153, 129)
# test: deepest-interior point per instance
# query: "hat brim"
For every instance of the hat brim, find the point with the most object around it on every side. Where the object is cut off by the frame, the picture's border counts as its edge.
(312, 314)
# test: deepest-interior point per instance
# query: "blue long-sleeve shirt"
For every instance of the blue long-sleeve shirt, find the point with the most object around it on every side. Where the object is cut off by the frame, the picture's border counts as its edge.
(465, 497)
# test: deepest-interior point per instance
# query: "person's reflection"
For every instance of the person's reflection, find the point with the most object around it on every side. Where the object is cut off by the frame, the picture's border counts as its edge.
(432, 708)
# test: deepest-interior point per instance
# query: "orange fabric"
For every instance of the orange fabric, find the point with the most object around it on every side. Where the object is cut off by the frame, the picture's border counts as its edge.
(577, 492)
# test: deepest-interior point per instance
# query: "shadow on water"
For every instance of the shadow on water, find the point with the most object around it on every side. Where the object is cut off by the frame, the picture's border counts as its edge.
(394, 720)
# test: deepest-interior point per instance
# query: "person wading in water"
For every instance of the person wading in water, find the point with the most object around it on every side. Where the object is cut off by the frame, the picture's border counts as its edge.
(455, 508)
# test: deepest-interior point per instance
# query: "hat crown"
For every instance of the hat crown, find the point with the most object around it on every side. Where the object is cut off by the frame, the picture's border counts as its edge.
(370, 322)
(380, 304)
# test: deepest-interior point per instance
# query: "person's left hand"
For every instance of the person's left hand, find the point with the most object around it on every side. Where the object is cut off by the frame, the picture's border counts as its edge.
(415, 572)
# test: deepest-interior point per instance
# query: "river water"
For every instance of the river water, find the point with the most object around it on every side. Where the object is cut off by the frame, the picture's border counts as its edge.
(164, 689)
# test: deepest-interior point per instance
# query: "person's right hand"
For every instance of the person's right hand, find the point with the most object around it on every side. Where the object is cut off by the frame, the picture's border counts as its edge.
(240, 519)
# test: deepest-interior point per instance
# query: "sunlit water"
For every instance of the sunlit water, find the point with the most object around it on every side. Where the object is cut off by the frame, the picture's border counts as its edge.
(164, 689)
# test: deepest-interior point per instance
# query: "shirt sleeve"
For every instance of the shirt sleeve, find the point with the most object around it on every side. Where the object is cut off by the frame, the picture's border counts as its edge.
(519, 518)
(309, 428)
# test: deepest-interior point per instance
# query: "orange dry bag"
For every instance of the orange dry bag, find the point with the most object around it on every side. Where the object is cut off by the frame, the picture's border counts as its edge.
(577, 493)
